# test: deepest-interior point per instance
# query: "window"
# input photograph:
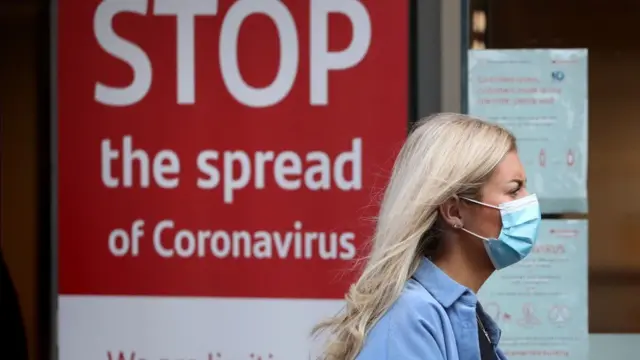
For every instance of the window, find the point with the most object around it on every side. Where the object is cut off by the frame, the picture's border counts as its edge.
(608, 30)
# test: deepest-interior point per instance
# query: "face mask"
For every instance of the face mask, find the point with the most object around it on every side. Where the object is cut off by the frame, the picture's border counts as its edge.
(520, 222)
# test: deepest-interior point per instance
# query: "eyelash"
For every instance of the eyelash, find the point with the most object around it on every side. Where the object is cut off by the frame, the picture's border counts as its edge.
(515, 192)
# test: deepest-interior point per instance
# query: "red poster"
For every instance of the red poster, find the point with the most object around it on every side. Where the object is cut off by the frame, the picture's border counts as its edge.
(224, 148)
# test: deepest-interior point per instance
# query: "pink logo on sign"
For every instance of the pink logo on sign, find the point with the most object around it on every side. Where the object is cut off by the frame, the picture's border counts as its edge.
(529, 318)
(570, 158)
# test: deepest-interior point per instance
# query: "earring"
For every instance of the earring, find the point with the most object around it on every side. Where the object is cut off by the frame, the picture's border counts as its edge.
(456, 226)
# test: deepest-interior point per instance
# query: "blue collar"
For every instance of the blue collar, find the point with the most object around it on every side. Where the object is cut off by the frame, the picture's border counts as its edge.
(447, 291)
(443, 288)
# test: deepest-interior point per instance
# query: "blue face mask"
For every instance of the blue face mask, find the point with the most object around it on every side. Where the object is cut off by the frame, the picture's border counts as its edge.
(520, 222)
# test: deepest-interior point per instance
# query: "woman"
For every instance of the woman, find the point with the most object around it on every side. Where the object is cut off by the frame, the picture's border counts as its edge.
(455, 210)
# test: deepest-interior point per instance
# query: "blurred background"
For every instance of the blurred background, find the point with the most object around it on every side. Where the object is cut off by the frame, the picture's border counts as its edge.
(442, 31)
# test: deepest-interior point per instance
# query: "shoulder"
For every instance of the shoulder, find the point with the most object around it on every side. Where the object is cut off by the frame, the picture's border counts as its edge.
(413, 327)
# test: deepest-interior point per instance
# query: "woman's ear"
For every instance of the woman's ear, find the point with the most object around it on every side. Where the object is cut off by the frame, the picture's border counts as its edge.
(450, 212)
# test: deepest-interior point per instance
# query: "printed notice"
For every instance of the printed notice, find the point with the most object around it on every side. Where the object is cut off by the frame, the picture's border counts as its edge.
(541, 303)
(540, 96)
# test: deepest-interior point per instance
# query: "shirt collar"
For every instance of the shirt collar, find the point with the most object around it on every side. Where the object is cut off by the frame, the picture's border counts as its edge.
(447, 291)
(443, 288)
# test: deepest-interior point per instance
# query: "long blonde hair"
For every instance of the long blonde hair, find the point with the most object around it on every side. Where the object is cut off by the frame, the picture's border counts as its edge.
(445, 154)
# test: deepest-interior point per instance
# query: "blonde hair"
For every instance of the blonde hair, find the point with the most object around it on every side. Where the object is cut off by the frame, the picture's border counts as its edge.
(445, 154)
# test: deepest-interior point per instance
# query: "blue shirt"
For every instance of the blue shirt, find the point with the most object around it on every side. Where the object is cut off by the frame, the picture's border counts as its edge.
(433, 319)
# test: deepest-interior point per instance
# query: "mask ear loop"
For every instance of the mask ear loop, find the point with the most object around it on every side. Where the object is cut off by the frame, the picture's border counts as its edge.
(474, 234)
(480, 203)
(459, 226)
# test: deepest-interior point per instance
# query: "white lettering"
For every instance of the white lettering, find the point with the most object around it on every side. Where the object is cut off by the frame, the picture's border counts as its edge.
(124, 50)
(233, 181)
(157, 238)
(121, 243)
(186, 12)
(212, 173)
(353, 157)
(322, 60)
(165, 163)
(107, 155)
(318, 169)
(220, 244)
(185, 244)
(165, 166)
(288, 170)
(348, 248)
(297, 243)
(228, 51)
(288, 163)
(262, 157)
